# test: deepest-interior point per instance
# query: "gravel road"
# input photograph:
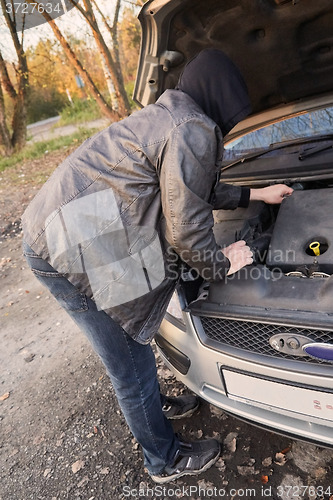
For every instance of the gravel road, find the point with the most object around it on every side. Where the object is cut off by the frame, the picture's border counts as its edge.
(62, 434)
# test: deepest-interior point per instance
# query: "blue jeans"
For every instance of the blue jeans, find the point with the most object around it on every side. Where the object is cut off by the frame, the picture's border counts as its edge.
(131, 366)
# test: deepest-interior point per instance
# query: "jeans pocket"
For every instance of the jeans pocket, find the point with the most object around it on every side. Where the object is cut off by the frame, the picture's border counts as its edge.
(67, 295)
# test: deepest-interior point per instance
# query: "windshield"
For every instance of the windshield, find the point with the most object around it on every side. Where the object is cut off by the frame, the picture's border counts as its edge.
(315, 123)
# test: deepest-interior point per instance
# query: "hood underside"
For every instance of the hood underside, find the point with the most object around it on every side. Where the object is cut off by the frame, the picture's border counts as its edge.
(284, 48)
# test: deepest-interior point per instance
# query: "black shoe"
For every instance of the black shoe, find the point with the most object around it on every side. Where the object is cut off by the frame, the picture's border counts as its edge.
(180, 407)
(191, 459)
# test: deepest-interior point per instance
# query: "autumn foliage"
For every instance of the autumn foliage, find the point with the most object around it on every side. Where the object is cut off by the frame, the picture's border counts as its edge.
(65, 67)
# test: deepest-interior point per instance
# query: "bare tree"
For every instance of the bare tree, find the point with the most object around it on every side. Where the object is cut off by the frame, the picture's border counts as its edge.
(111, 58)
(113, 31)
(18, 93)
(18, 90)
(105, 108)
(5, 139)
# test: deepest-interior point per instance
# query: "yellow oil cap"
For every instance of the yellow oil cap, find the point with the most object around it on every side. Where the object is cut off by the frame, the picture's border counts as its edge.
(315, 247)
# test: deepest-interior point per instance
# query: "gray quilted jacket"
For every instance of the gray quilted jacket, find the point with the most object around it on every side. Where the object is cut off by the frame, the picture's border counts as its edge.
(116, 215)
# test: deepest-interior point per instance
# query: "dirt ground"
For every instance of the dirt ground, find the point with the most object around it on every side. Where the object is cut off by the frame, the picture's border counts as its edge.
(62, 434)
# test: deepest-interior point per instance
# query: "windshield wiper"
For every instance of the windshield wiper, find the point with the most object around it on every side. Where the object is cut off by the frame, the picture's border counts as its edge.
(282, 145)
(314, 151)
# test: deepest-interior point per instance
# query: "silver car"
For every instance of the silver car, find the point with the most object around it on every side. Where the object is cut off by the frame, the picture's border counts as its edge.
(260, 344)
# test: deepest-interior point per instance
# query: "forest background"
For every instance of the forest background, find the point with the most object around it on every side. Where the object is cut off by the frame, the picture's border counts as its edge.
(80, 66)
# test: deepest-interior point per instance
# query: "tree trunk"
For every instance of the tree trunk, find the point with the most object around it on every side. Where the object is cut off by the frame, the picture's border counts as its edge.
(113, 30)
(19, 122)
(19, 95)
(109, 83)
(4, 132)
(123, 102)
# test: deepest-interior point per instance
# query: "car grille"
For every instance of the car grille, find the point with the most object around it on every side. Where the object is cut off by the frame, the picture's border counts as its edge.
(254, 337)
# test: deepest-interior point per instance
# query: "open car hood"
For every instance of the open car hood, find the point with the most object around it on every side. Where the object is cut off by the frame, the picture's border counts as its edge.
(284, 48)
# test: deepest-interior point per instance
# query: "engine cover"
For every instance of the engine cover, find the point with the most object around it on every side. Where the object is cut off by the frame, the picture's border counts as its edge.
(303, 233)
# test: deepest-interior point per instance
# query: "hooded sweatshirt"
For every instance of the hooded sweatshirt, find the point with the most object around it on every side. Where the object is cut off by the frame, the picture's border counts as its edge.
(217, 86)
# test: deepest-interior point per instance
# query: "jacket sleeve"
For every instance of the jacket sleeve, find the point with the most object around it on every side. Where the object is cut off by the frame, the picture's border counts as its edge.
(229, 197)
(187, 176)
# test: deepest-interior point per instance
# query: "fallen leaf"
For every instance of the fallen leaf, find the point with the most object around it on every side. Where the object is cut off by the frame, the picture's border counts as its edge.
(77, 466)
(320, 473)
(245, 470)
(38, 440)
(267, 461)
(280, 459)
(230, 442)
(105, 470)
(220, 464)
(205, 485)
(5, 396)
(83, 481)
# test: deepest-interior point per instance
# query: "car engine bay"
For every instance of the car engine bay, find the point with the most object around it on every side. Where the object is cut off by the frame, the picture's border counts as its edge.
(295, 237)
(292, 246)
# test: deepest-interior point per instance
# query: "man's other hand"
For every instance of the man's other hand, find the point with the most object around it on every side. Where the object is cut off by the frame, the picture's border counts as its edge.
(239, 255)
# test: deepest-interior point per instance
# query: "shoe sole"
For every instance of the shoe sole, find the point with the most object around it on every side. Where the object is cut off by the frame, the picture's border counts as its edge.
(162, 480)
(184, 415)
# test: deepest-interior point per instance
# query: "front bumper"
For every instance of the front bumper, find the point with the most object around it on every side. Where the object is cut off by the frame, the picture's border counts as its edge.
(286, 396)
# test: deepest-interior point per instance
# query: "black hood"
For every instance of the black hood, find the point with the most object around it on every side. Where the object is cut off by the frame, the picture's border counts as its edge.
(217, 86)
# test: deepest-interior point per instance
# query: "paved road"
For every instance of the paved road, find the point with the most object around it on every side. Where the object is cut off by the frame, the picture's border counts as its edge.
(47, 129)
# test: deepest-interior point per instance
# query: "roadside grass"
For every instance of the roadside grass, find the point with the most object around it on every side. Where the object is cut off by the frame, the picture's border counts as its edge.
(39, 149)
(130, 89)
(79, 112)
(86, 110)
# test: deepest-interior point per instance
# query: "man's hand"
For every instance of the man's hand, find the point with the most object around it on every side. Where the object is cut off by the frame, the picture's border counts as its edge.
(239, 255)
(272, 195)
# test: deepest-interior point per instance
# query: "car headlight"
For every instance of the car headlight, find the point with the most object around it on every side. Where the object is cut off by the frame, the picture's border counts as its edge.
(174, 308)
